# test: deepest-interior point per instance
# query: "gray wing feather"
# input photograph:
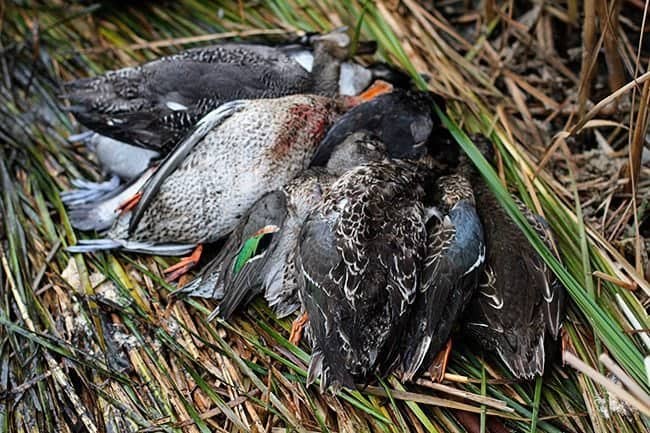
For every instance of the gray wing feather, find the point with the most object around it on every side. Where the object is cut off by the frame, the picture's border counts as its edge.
(173, 160)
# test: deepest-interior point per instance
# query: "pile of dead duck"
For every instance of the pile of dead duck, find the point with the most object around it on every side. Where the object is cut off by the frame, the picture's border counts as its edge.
(331, 189)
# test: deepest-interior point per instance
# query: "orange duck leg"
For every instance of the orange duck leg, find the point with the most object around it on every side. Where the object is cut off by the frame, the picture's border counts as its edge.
(184, 265)
(297, 328)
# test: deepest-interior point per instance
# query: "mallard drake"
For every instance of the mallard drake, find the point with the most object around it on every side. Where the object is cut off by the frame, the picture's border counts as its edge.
(518, 309)
(154, 105)
(357, 137)
(237, 153)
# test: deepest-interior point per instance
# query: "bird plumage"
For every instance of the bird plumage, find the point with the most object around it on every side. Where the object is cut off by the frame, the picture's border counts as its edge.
(358, 257)
(350, 142)
(455, 253)
(209, 184)
(153, 105)
(518, 309)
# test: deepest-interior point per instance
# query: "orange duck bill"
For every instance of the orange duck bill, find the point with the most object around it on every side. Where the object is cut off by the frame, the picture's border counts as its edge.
(377, 88)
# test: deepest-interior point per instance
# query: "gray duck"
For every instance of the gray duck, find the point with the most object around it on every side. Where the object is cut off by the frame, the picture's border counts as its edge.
(236, 154)
(154, 105)
(519, 307)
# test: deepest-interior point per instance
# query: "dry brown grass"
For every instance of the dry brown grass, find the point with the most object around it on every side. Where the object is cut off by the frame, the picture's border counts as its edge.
(94, 344)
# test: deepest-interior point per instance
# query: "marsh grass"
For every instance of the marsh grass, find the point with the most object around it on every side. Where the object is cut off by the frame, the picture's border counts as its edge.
(93, 343)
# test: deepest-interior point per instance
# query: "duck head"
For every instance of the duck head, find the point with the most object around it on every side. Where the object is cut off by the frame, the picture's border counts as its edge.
(355, 150)
(404, 122)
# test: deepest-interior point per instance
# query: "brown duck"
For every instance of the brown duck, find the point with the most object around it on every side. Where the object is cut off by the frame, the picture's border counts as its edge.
(519, 307)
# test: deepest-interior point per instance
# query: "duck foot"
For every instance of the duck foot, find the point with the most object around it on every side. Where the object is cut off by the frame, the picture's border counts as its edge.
(86, 191)
(377, 88)
(130, 203)
(297, 328)
(439, 365)
(184, 265)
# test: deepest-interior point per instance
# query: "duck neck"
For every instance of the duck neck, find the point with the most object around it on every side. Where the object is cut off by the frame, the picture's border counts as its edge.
(325, 72)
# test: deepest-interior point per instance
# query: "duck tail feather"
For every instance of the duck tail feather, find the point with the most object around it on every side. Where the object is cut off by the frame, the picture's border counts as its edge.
(93, 206)
(315, 370)
(203, 286)
(158, 249)
(526, 360)
(415, 358)
(93, 245)
(91, 218)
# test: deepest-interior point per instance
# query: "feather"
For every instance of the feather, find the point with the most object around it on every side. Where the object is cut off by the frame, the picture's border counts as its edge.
(86, 191)
(452, 267)
(101, 213)
(93, 245)
(172, 161)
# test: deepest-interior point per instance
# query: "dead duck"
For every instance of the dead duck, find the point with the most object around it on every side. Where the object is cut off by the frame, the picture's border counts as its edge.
(403, 119)
(155, 104)
(518, 310)
(358, 258)
(455, 255)
(270, 269)
(381, 280)
(236, 154)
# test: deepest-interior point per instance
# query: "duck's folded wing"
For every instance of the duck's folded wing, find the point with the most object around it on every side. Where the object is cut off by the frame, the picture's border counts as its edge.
(453, 265)
(554, 292)
(242, 275)
(218, 279)
(174, 159)
(320, 276)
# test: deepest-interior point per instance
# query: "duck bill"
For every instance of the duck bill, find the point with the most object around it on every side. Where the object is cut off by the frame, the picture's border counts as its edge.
(379, 87)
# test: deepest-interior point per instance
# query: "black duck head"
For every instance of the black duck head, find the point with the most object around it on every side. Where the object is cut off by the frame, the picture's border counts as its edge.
(404, 120)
